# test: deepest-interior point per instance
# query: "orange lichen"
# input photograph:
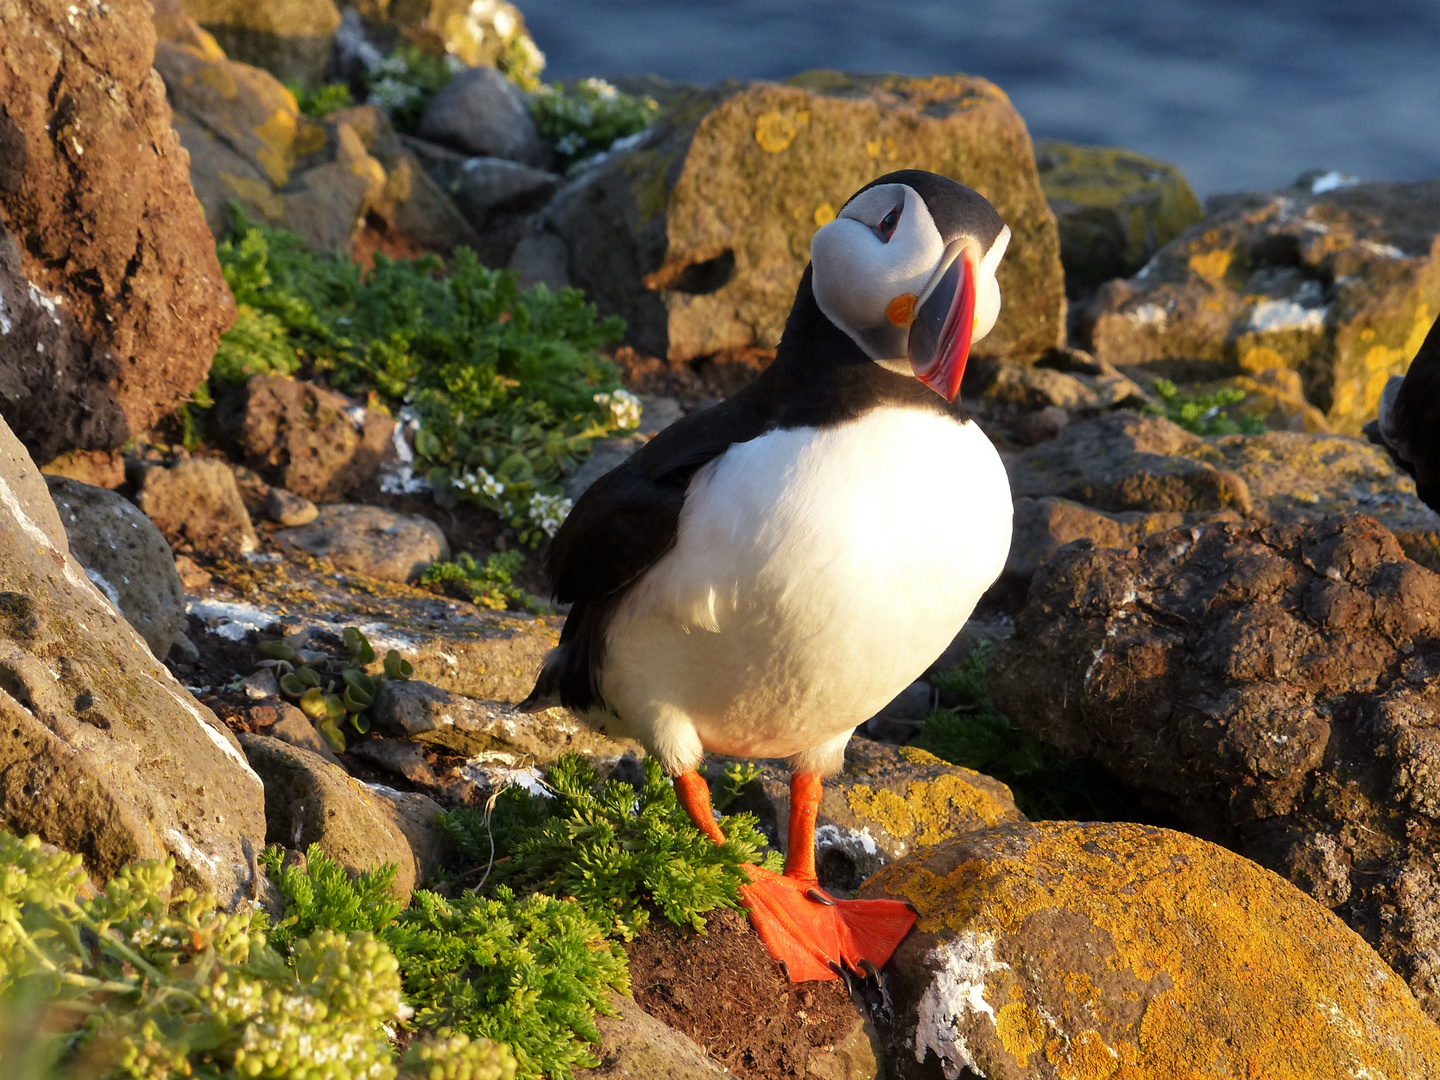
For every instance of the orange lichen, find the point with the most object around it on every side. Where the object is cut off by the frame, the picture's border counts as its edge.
(1021, 1030)
(824, 214)
(1211, 265)
(1242, 974)
(926, 813)
(775, 131)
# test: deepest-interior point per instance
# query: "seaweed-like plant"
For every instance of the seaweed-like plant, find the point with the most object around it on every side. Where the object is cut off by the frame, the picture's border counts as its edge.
(489, 584)
(1205, 414)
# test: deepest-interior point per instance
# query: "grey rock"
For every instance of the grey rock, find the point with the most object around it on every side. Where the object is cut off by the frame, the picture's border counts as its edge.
(542, 258)
(125, 555)
(261, 685)
(401, 758)
(658, 413)
(197, 507)
(371, 541)
(481, 112)
(899, 720)
(102, 752)
(605, 454)
(286, 509)
(636, 1046)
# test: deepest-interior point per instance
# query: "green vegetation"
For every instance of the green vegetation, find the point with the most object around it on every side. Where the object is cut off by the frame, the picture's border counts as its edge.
(1046, 784)
(328, 688)
(503, 390)
(585, 121)
(320, 101)
(1205, 414)
(406, 81)
(147, 981)
(617, 851)
(490, 584)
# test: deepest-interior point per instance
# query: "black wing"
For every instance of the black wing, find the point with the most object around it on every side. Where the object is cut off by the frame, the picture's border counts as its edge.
(1410, 429)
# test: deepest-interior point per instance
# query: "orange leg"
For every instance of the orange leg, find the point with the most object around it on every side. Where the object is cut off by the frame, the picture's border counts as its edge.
(694, 797)
(805, 791)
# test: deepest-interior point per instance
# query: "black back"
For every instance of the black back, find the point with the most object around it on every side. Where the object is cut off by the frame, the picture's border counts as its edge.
(1415, 421)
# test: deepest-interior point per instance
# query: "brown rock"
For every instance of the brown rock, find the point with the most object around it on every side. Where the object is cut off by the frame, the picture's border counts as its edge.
(307, 438)
(288, 38)
(197, 507)
(401, 758)
(97, 468)
(102, 752)
(492, 34)
(1075, 950)
(126, 558)
(1270, 686)
(114, 300)
(636, 1046)
(284, 508)
(371, 541)
(698, 235)
(285, 722)
(1340, 286)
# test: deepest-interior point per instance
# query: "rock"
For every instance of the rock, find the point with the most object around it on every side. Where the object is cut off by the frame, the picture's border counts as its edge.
(197, 507)
(411, 204)
(291, 39)
(488, 32)
(888, 802)
(899, 721)
(605, 454)
(488, 730)
(113, 300)
(249, 144)
(286, 509)
(371, 541)
(95, 468)
(1114, 208)
(102, 752)
(1107, 950)
(1269, 686)
(310, 801)
(1340, 286)
(283, 721)
(401, 758)
(481, 112)
(482, 185)
(126, 557)
(665, 232)
(262, 685)
(636, 1046)
(1043, 526)
(306, 438)
(541, 258)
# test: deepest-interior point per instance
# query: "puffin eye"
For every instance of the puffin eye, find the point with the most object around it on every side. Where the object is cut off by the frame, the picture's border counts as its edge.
(886, 228)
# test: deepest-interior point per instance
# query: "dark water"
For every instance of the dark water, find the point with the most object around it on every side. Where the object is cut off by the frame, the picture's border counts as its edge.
(1240, 95)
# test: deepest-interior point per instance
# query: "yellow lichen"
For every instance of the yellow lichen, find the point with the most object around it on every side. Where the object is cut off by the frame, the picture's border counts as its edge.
(1261, 358)
(926, 814)
(1085, 1057)
(776, 130)
(1211, 265)
(255, 193)
(1021, 1031)
(276, 152)
(824, 214)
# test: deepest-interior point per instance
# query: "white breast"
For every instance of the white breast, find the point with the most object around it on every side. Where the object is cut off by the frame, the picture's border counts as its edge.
(816, 573)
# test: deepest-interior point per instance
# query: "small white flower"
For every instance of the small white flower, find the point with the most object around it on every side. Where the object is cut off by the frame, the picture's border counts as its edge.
(624, 408)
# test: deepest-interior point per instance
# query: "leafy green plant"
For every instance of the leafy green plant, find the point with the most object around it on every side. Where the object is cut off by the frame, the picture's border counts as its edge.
(1205, 414)
(148, 981)
(615, 850)
(320, 101)
(328, 688)
(490, 584)
(587, 120)
(406, 81)
(529, 972)
(736, 777)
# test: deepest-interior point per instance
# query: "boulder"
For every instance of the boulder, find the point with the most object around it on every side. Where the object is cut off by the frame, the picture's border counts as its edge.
(248, 143)
(94, 468)
(306, 438)
(480, 112)
(1339, 285)
(887, 802)
(636, 1046)
(698, 232)
(310, 801)
(476, 32)
(124, 554)
(197, 507)
(111, 297)
(1270, 686)
(102, 752)
(1108, 950)
(368, 540)
(289, 38)
(285, 508)
(280, 720)
(1114, 208)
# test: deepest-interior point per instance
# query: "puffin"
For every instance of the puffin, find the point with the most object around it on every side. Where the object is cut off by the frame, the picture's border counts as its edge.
(1408, 426)
(763, 576)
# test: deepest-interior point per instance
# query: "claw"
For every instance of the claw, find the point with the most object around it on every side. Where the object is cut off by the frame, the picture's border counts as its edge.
(819, 897)
(871, 971)
(784, 969)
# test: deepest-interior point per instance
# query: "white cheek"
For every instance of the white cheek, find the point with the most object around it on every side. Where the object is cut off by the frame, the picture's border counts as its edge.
(856, 275)
(987, 308)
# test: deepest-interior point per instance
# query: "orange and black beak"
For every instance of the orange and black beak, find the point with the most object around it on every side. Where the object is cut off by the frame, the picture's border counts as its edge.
(945, 321)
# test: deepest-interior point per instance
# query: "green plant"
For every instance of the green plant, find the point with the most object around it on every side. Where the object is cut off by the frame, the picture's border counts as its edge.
(1205, 414)
(406, 81)
(320, 101)
(490, 584)
(530, 973)
(149, 981)
(587, 120)
(736, 777)
(329, 688)
(615, 850)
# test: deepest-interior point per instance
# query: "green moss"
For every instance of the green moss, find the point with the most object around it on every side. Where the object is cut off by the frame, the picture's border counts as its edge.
(320, 101)
(1205, 414)
(489, 584)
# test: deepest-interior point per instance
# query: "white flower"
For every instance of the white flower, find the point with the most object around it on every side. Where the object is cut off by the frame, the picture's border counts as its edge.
(624, 408)
(549, 511)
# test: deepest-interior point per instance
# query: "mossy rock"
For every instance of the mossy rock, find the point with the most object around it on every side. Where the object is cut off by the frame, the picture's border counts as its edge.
(1339, 286)
(1123, 952)
(1115, 208)
(698, 234)
(291, 39)
(489, 33)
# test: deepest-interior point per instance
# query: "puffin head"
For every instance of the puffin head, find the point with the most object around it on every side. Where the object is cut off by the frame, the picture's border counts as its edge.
(907, 270)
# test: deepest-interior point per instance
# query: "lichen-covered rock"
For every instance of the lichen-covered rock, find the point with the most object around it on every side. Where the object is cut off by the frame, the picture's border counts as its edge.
(124, 554)
(307, 438)
(371, 541)
(698, 233)
(291, 39)
(887, 802)
(249, 144)
(488, 32)
(197, 507)
(1114, 208)
(1063, 951)
(1340, 286)
(111, 297)
(1272, 687)
(310, 801)
(102, 752)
